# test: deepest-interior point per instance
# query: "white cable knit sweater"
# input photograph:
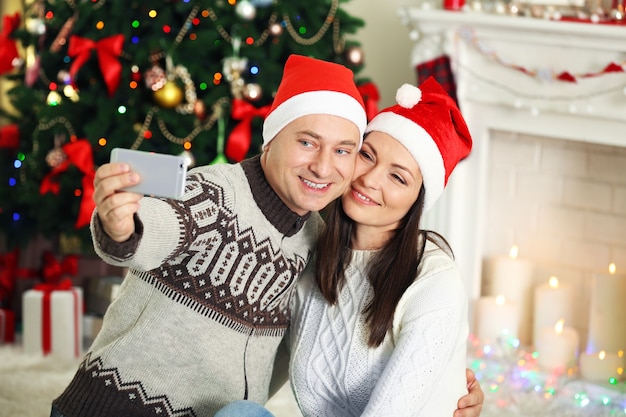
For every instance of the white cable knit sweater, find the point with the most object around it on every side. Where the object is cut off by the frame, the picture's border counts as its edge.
(419, 369)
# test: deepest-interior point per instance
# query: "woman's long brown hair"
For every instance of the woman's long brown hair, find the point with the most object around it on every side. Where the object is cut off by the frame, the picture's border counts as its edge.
(390, 271)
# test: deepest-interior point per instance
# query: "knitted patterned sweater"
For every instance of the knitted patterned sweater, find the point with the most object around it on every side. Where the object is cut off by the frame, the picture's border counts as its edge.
(418, 370)
(205, 302)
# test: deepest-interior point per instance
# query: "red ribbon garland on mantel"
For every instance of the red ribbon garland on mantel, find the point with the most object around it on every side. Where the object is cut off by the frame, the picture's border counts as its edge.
(108, 50)
(46, 314)
(8, 45)
(79, 153)
(564, 76)
(240, 137)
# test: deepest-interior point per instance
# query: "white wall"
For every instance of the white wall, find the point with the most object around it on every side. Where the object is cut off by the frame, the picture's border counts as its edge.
(386, 45)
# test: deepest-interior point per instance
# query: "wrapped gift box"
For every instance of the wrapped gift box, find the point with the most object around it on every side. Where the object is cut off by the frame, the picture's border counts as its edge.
(7, 327)
(53, 319)
(100, 292)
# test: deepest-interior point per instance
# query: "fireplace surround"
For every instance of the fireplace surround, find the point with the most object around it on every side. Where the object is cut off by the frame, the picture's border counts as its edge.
(537, 94)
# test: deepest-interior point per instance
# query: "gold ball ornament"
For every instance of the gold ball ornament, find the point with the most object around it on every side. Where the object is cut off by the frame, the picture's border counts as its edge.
(169, 96)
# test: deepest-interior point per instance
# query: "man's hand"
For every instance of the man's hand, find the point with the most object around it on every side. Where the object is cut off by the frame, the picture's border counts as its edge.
(116, 209)
(471, 404)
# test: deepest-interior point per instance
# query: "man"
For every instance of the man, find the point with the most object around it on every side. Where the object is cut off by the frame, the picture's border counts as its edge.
(205, 302)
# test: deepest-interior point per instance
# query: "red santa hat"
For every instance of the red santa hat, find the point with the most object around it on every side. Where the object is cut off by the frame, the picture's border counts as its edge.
(430, 125)
(313, 86)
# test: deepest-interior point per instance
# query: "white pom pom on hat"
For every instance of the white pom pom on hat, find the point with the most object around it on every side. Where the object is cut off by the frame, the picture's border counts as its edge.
(408, 96)
(430, 125)
(314, 86)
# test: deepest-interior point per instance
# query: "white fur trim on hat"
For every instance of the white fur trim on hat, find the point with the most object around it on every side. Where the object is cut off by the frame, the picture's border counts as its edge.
(314, 102)
(421, 145)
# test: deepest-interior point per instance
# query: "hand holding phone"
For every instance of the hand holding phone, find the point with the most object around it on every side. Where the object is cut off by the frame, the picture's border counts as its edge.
(161, 175)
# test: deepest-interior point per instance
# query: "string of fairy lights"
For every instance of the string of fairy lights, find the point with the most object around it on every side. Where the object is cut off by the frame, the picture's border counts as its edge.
(515, 385)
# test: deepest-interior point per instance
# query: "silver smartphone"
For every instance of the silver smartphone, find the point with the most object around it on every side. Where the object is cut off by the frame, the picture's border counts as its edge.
(161, 175)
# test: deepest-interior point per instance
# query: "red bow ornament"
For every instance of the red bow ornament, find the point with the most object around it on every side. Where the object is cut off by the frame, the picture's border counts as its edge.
(240, 137)
(9, 136)
(54, 271)
(108, 50)
(371, 96)
(8, 46)
(10, 272)
(79, 154)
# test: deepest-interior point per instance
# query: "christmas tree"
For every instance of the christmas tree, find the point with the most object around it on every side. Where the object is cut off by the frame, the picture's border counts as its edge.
(179, 77)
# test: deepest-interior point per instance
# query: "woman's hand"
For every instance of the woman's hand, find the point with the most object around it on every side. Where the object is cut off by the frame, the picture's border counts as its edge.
(471, 404)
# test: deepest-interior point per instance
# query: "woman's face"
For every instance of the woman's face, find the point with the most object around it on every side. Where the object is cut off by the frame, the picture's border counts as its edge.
(386, 183)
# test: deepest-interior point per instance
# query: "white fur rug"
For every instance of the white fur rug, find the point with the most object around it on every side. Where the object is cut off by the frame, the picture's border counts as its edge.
(29, 383)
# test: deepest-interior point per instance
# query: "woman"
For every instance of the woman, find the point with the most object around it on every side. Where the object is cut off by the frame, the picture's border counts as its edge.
(380, 328)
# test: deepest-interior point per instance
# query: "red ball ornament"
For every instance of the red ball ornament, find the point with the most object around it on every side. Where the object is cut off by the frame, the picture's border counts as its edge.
(55, 157)
(155, 78)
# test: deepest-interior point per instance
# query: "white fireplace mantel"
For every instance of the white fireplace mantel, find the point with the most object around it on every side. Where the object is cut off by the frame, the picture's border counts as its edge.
(505, 69)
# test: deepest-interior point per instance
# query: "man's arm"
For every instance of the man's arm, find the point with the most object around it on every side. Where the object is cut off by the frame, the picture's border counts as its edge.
(471, 404)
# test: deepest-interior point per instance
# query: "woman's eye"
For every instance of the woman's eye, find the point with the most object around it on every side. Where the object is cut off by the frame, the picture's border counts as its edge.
(398, 178)
(366, 155)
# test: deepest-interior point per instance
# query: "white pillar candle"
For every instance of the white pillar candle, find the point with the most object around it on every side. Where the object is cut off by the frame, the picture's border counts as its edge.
(557, 348)
(601, 366)
(513, 278)
(496, 317)
(553, 301)
(607, 315)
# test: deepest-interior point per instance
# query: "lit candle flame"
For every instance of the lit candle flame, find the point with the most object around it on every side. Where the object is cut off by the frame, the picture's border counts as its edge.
(612, 268)
(514, 251)
(601, 355)
(558, 327)
(500, 300)
(620, 353)
(554, 282)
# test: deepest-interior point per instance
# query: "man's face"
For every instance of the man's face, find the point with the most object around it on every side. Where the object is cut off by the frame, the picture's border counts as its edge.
(310, 162)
